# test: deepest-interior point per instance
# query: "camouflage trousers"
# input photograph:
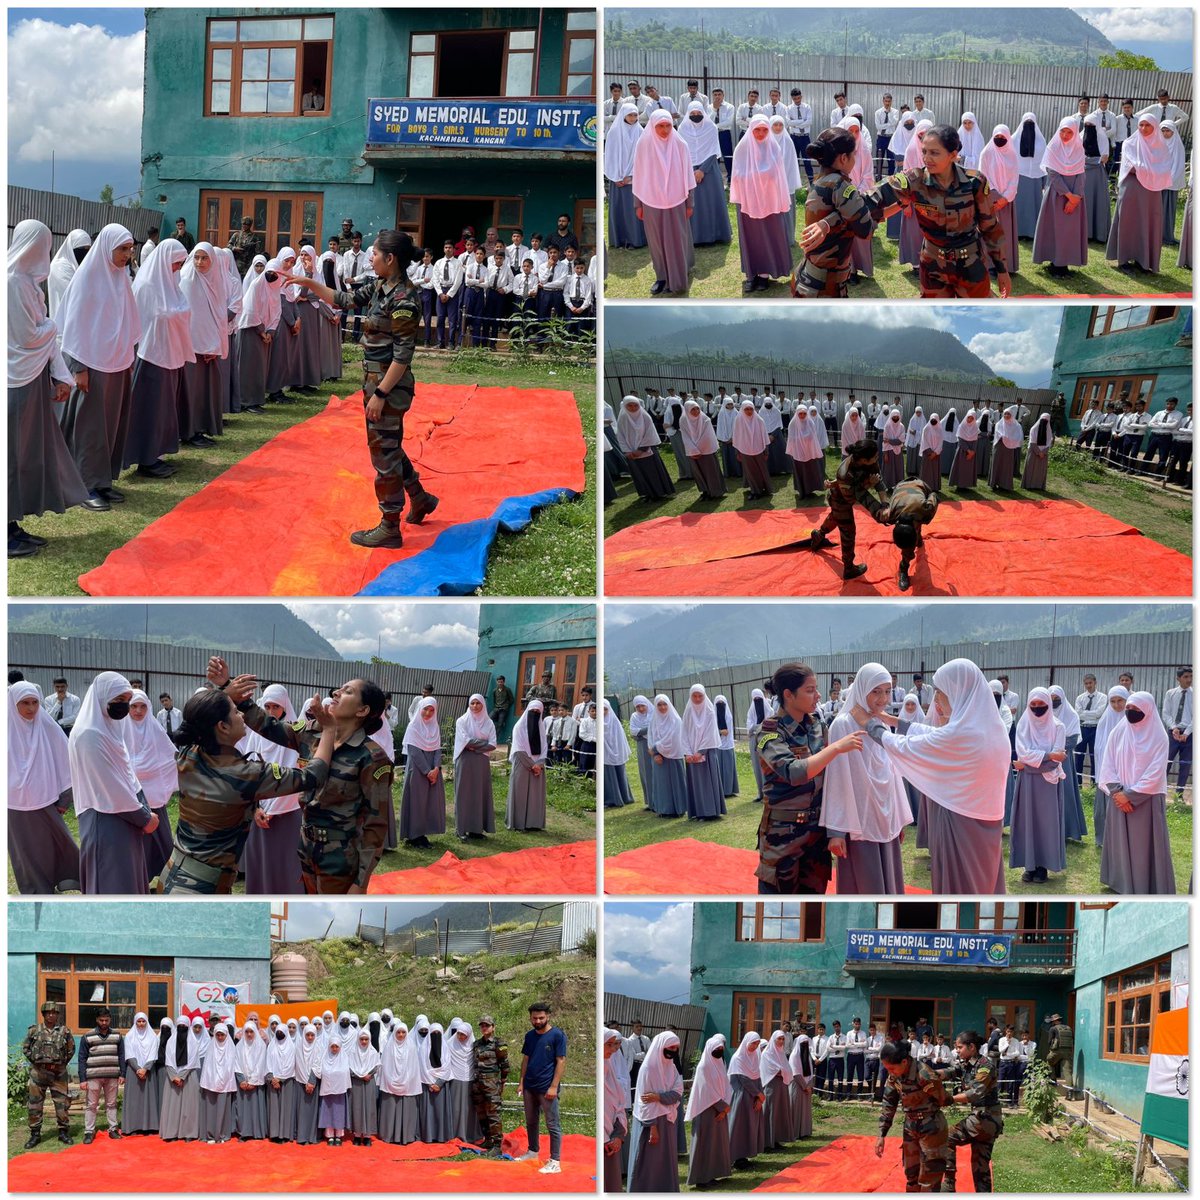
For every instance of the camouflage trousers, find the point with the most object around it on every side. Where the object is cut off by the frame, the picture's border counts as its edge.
(1059, 1062)
(925, 1151)
(328, 864)
(979, 1131)
(485, 1095)
(955, 278)
(841, 518)
(394, 472)
(42, 1081)
(809, 281)
(794, 860)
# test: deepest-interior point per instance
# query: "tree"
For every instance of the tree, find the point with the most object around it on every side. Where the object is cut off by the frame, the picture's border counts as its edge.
(106, 194)
(1003, 381)
(1126, 60)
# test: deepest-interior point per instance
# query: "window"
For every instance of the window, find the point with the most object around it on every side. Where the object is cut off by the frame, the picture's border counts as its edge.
(125, 984)
(269, 67)
(893, 1015)
(1109, 389)
(1116, 318)
(916, 915)
(430, 220)
(764, 1012)
(473, 64)
(280, 218)
(579, 55)
(563, 666)
(1017, 1013)
(1012, 915)
(780, 921)
(1132, 999)
(585, 224)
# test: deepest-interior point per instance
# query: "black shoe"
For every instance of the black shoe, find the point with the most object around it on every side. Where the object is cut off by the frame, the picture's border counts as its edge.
(854, 570)
(35, 1136)
(97, 503)
(88, 1138)
(366, 1141)
(660, 286)
(1029, 877)
(256, 408)
(903, 580)
(385, 536)
(115, 1134)
(423, 504)
(158, 470)
(200, 441)
(20, 548)
(112, 495)
(819, 541)
(26, 536)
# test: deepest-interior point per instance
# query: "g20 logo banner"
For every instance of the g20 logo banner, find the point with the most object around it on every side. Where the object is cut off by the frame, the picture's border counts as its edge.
(209, 997)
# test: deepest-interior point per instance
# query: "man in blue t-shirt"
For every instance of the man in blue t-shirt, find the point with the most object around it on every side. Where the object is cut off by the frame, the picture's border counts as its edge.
(543, 1059)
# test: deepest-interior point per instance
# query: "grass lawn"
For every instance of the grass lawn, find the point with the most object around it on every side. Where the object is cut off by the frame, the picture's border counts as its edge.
(1023, 1161)
(718, 273)
(554, 556)
(629, 827)
(570, 800)
(1162, 514)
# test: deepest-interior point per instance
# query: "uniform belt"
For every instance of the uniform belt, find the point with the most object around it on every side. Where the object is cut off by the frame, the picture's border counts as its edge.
(808, 817)
(323, 837)
(961, 254)
(201, 870)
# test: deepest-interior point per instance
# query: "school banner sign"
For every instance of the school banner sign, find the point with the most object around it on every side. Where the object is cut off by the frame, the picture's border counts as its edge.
(929, 949)
(209, 997)
(1165, 1111)
(483, 124)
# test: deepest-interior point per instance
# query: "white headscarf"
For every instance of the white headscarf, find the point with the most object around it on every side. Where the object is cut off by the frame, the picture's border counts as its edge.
(219, 1073)
(700, 136)
(749, 430)
(803, 440)
(696, 429)
(666, 730)
(700, 723)
(917, 717)
(972, 140)
(635, 430)
(1093, 119)
(616, 1083)
(166, 339)
(616, 746)
(334, 1070)
(726, 416)
(1030, 166)
(519, 742)
(752, 713)
(141, 1045)
(63, 268)
(774, 1061)
(771, 416)
(1178, 155)
(916, 423)
(931, 435)
(456, 1054)
(787, 152)
(151, 753)
(101, 772)
(620, 143)
(261, 300)
(1008, 430)
(99, 317)
(361, 1059)
(31, 334)
(746, 1061)
(758, 184)
(1150, 156)
(640, 722)
(1038, 428)
(1040, 736)
(913, 161)
(193, 1045)
(725, 734)
(206, 297)
(281, 1056)
(853, 430)
(308, 1054)
(999, 165)
(252, 1054)
(662, 167)
(658, 1075)
(962, 765)
(710, 1084)
(400, 1063)
(862, 173)
(251, 274)
(1066, 713)
(472, 728)
(864, 794)
(906, 130)
(423, 730)
(1065, 158)
(1110, 720)
(39, 768)
(1135, 756)
(968, 431)
(233, 284)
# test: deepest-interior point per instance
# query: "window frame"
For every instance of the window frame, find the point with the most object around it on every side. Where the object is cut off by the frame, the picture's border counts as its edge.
(806, 1001)
(436, 55)
(1008, 1005)
(1156, 314)
(941, 1012)
(420, 230)
(1092, 387)
(559, 655)
(1160, 988)
(141, 979)
(269, 234)
(755, 909)
(573, 35)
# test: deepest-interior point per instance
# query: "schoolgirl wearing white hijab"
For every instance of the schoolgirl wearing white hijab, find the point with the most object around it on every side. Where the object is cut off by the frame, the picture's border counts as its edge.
(1006, 450)
(892, 436)
(1096, 151)
(310, 1052)
(1061, 235)
(640, 717)
(1030, 146)
(665, 741)
(972, 141)
(42, 853)
(231, 397)
(912, 439)
(141, 1102)
(307, 372)
(1074, 822)
(808, 459)
(701, 743)
(964, 469)
(400, 1087)
(257, 327)
(363, 1060)
(625, 230)
(638, 440)
(911, 713)
(854, 429)
(617, 1100)
(114, 814)
(752, 442)
(218, 1086)
(459, 1060)
(62, 270)
(474, 740)
(1147, 168)
(1136, 859)
(759, 188)
(776, 1075)
(710, 213)
(285, 347)
(961, 766)
(182, 1056)
(100, 330)
(152, 756)
(800, 1092)
(280, 1083)
(745, 1113)
(205, 287)
(759, 710)
(911, 237)
(1036, 839)
(1110, 719)
(663, 183)
(1170, 194)
(334, 1072)
(250, 1106)
(700, 447)
(865, 808)
(862, 175)
(653, 1152)
(772, 418)
(1000, 166)
(617, 793)
(423, 802)
(931, 453)
(1037, 456)
(526, 805)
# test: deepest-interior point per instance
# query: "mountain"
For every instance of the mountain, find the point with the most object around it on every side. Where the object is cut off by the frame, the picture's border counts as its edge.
(727, 334)
(230, 626)
(1052, 36)
(473, 915)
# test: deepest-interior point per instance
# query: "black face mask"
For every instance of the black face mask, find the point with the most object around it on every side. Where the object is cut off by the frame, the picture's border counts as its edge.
(344, 1023)
(1000, 141)
(719, 1052)
(671, 1054)
(1133, 716)
(118, 709)
(1038, 710)
(280, 1034)
(696, 118)
(81, 253)
(422, 1033)
(1056, 703)
(271, 276)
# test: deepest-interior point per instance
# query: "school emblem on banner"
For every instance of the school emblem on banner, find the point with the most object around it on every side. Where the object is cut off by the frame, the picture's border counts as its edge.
(211, 997)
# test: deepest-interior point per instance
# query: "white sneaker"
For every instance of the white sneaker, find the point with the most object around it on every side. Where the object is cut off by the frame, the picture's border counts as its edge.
(551, 1168)
(528, 1156)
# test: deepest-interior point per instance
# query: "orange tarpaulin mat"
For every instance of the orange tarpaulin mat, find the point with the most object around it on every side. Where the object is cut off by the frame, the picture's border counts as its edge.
(570, 868)
(972, 548)
(278, 522)
(146, 1164)
(849, 1165)
(710, 869)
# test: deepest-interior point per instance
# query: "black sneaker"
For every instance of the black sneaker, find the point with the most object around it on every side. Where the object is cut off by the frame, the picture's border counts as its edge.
(115, 1134)
(31, 538)
(89, 1138)
(20, 548)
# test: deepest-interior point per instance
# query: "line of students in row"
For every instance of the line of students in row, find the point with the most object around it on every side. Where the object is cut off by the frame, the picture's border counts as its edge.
(1115, 432)
(572, 740)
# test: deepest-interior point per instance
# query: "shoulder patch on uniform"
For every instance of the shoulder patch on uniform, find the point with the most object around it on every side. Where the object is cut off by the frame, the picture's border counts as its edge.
(277, 770)
(984, 188)
(899, 181)
(848, 192)
(298, 725)
(380, 772)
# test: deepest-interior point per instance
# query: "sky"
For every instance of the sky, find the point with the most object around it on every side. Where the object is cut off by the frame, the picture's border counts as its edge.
(647, 951)
(311, 918)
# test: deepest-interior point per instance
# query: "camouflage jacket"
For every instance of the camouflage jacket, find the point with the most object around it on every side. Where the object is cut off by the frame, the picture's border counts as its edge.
(46, 1047)
(919, 1091)
(977, 1078)
(541, 691)
(244, 246)
(849, 487)
(835, 194)
(911, 499)
(391, 322)
(489, 1058)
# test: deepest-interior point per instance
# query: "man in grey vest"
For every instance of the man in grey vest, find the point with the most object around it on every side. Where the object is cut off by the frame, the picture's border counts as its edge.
(101, 1069)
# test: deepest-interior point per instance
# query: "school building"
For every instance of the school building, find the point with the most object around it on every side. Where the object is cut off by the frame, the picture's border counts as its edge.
(1127, 351)
(130, 958)
(893, 962)
(424, 120)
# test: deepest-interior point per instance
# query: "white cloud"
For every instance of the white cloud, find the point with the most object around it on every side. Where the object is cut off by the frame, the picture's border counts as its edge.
(75, 91)
(649, 956)
(355, 630)
(1129, 24)
(1020, 353)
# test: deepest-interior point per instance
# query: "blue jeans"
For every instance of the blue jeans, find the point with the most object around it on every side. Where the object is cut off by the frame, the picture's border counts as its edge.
(536, 1103)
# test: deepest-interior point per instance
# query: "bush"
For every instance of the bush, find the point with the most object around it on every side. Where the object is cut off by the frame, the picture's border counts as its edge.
(1040, 1093)
(18, 1085)
(587, 947)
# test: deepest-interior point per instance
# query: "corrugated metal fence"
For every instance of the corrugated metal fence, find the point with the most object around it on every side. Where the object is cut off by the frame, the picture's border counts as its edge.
(687, 1020)
(1030, 662)
(998, 93)
(934, 395)
(64, 213)
(563, 928)
(180, 670)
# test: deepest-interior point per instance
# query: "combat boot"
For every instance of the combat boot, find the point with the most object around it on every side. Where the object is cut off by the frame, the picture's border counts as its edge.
(903, 580)
(35, 1136)
(421, 504)
(64, 1136)
(385, 536)
(854, 570)
(819, 540)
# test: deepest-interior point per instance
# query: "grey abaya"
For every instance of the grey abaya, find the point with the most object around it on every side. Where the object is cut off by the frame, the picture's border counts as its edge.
(650, 477)
(1006, 218)
(462, 1122)
(141, 1103)
(279, 353)
(271, 858)
(216, 1115)
(433, 1114)
(645, 763)
(729, 776)
(1061, 237)
(1074, 822)
(745, 1121)
(111, 859)
(308, 357)
(625, 230)
(669, 237)
(1036, 463)
(808, 477)
(911, 240)
(308, 1128)
(41, 851)
(984, 445)
(931, 471)
(706, 793)
(763, 242)
(331, 347)
(612, 1162)
(422, 804)
(1036, 827)
(1170, 200)
(870, 869)
(1004, 464)
(179, 1115)
(616, 786)
(670, 787)
(250, 1111)
(1185, 235)
(946, 460)
(364, 1102)
(231, 401)
(42, 475)
(654, 1168)
(706, 471)
(1095, 200)
(964, 470)
(710, 214)
(1136, 860)
(1137, 228)
(399, 1119)
(801, 1101)
(526, 807)
(251, 355)
(729, 461)
(777, 1114)
(199, 407)
(95, 424)
(157, 846)
(474, 807)
(683, 464)
(965, 856)
(154, 414)
(777, 459)
(755, 472)
(1028, 205)
(708, 1157)
(281, 1109)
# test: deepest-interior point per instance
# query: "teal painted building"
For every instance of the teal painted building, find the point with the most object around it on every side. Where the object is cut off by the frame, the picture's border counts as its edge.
(1123, 351)
(132, 957)
(521, 641)
(267, 116)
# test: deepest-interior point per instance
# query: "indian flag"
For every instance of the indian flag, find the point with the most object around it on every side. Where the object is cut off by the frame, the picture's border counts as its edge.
(1165, 1112)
